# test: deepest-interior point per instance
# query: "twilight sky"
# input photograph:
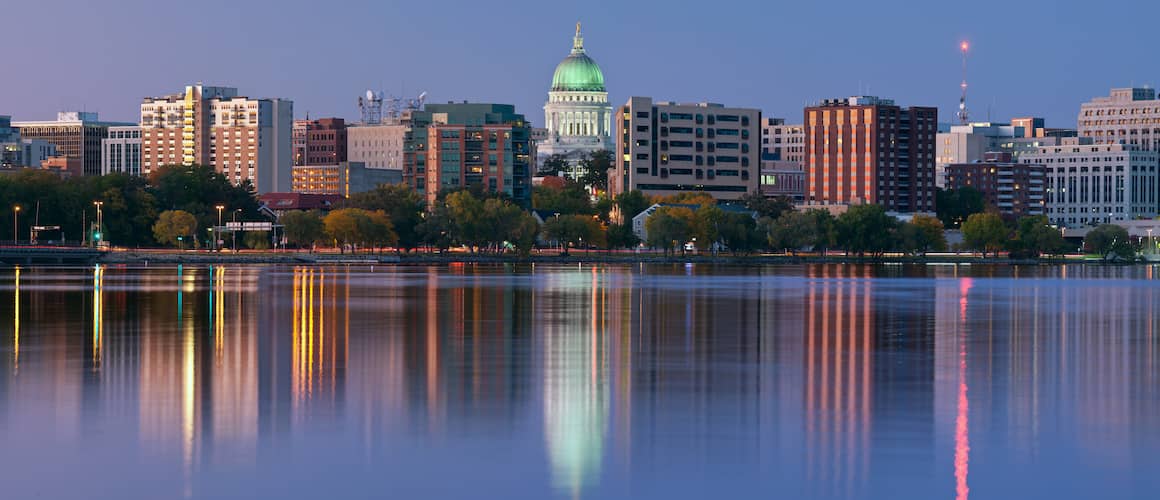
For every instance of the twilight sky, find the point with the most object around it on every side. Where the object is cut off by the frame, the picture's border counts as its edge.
(1029, 57)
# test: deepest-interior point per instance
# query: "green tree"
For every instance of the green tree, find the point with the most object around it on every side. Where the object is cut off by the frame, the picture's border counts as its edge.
(1111, 242)
(1034, 237)
(574, 230)
(985, 232)
(436, 229)
(174, 226)
(792, 231)
(630, 204)
(670, 227)
(594, 170)
(342, 226)
(866, 229)
(465, 211)
(570, 199)
(603, 207)
(403, 205)
(199, 189)
(554, 165)
(707, 226)
(921, 235)
(504, 221)
(767, 207)
(523, 234)
(739, 233)
(953, 206)
(620, 236)
(302, 228)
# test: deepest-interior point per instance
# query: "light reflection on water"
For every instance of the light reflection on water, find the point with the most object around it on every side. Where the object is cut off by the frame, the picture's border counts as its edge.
(820, 381)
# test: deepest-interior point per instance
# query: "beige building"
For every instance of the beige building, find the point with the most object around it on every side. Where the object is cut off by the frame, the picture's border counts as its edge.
(782, 142)
(245, 139)
(1089, 184)
(377, 145)
(1128, 116)
(665, 149)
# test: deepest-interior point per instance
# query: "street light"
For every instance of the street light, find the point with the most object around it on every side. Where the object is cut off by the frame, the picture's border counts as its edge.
(15, 222)
(99, 237)
(216, 239)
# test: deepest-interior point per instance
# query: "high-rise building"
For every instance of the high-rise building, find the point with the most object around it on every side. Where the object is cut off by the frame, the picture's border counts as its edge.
(1015, 188)
(455, 145)
(244, 139)
(577, 115)
(1090, 183)
(869, 150)
(782, 142)
(1128, 116)
(76, 134)
(121, 151)
(665, 148)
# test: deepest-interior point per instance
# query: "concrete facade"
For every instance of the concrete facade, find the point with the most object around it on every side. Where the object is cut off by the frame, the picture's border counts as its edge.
(121, 151)
(666, 148)
(1090, 184)
(869, 150)
(1126, 116)
(782, 142)
(76, 135)
(378, 145)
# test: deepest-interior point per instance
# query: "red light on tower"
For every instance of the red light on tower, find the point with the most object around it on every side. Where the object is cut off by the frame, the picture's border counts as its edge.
(964, 46)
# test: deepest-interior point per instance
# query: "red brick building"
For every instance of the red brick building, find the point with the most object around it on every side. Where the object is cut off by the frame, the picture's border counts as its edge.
(1016, 189)
(869, 150)
(320, 142)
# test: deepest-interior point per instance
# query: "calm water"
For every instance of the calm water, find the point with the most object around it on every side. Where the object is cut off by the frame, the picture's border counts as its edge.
(824, 381)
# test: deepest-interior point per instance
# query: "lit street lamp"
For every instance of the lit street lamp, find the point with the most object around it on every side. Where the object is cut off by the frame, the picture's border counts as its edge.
(100, 236)
(15, 222)
(217, 237)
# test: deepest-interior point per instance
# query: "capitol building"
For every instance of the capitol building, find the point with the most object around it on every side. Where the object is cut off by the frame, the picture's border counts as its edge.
(577, 115)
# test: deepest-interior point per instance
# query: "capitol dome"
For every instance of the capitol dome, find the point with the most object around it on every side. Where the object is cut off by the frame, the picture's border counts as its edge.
(578, 72)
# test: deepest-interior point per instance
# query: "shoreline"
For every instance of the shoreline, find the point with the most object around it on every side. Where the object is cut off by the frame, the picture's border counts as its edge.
(584, 258)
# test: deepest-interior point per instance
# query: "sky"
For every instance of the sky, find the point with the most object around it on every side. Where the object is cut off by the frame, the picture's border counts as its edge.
(1028, 57)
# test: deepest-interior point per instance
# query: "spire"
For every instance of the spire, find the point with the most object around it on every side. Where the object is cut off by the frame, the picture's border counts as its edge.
(578, 41)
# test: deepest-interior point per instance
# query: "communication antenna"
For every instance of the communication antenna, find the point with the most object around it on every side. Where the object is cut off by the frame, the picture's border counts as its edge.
(371, 107)
(964, 118)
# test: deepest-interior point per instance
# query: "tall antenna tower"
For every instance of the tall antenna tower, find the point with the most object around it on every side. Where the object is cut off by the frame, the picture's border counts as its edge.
(371, 107)
(963, 116)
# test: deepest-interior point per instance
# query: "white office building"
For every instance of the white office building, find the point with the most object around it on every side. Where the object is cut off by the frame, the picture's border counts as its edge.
(121, 151)
(1090, 184)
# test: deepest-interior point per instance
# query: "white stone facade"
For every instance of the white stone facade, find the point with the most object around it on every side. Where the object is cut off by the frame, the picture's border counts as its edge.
(1091, 184)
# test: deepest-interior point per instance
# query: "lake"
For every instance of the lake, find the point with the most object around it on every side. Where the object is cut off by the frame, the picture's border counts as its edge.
(580, 381)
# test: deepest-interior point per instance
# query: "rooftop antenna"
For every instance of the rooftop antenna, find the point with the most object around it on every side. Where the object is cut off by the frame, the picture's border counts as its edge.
(964, 118)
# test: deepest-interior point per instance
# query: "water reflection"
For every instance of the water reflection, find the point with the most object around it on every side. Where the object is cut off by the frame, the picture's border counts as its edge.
(823, 381)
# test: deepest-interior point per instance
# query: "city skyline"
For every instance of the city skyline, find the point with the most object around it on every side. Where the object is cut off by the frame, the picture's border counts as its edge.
(790, 64)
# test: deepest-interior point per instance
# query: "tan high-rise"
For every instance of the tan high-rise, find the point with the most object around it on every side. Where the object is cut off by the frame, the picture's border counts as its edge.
(244, 139)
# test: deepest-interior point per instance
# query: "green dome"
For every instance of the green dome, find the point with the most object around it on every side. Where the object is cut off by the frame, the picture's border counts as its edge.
(578, 72)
